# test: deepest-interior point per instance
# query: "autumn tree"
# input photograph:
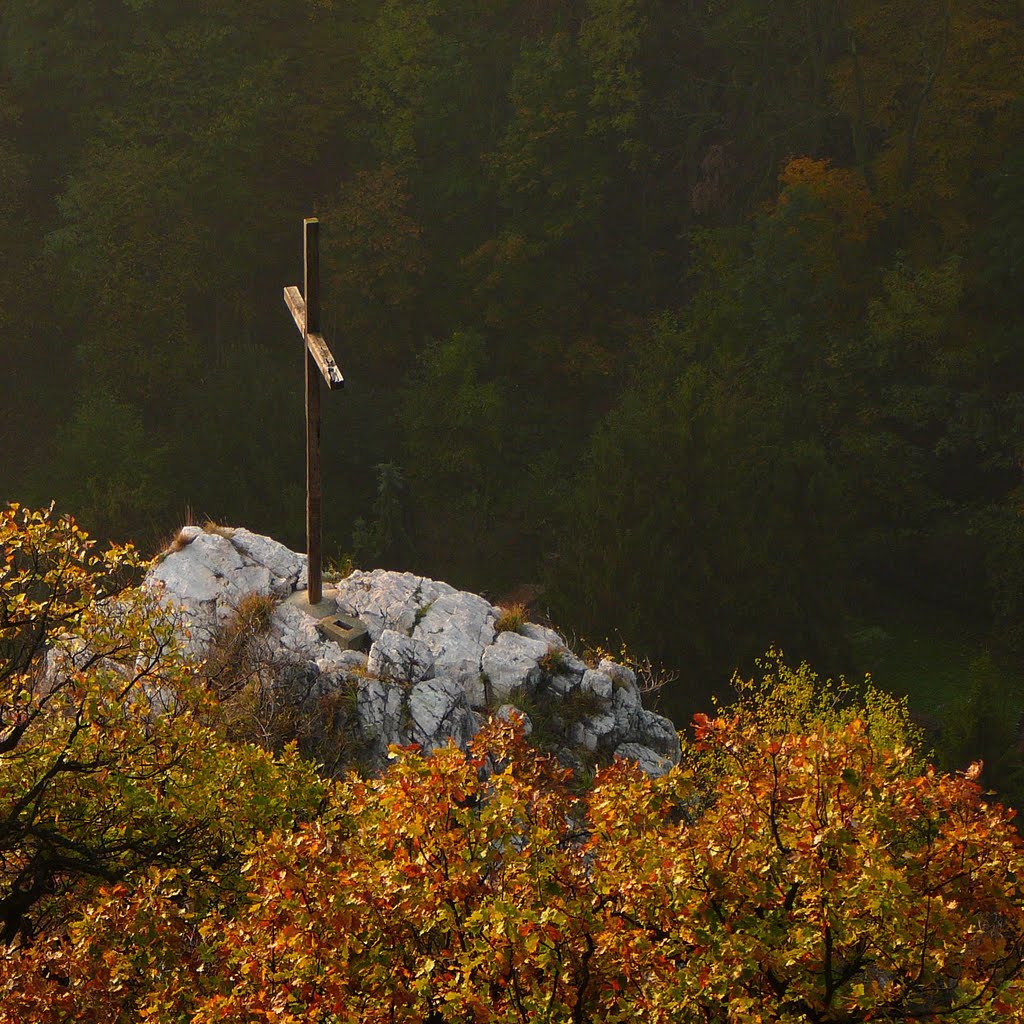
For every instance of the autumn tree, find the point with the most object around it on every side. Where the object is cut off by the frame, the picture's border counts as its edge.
(933, 95)
(108, 761)
(803, 864)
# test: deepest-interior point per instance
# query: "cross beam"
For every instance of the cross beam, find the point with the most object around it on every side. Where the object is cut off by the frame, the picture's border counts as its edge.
(305, 311)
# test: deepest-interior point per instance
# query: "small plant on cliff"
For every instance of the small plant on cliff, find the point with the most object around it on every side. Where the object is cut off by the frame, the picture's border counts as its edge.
(651, 678)
(248, 677)
(555, 661)
(339, 568)
(180, 541)
(421, 614)
(254, 613)
(227, 532)
(232, 656)
(512, 619)
(579, 706)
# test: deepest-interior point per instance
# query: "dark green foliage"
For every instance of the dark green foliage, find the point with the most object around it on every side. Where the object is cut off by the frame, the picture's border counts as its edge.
(385, 535)
(709, 313)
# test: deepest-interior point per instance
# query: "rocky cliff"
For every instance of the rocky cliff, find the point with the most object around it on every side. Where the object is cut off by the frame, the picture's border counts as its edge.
(438, 660)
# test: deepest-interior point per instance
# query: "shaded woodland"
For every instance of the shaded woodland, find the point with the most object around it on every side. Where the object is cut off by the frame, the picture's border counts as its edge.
(706, 317)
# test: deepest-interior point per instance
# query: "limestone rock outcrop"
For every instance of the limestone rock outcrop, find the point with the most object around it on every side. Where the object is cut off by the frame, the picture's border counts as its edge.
(437, 664)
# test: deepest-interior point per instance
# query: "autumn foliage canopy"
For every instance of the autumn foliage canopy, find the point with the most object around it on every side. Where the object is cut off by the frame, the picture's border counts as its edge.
(802, 864)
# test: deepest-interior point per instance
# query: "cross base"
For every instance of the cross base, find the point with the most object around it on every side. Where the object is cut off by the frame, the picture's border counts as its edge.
(322, 608)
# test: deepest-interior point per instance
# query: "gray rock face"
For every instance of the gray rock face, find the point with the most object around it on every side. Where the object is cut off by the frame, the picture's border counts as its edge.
(440, 713)
(455, 626)
(345, 660)
(620, 675)
(296, 633)
(649, 760)
(626, 708)
(435, 663)
(432, 714)
(596, 732)
(207, 579)
(562, 684)
(456, 612)
(396, 657)
(658, 733)
(381, 599)
(284, 564)
(512, 663)
(597, 683)
(543, 633)
(570, 664)
(566, 674)
(379, 707)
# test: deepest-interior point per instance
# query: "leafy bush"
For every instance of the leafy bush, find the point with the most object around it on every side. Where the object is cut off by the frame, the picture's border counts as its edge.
(108, 762)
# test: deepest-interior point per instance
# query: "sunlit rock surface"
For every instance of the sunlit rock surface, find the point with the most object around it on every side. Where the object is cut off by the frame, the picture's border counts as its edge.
(436, 667)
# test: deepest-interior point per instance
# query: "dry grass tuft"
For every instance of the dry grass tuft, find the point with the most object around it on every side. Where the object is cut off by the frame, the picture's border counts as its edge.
(181, 540)
(176, 543)
(254, 613)
(219, 529)
(512, 619)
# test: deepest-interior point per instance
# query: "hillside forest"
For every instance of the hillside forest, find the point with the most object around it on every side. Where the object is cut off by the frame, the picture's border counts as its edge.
(702, 322)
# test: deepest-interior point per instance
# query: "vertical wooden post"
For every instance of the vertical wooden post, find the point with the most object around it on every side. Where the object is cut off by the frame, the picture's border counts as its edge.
(319, 361)
(311, 285)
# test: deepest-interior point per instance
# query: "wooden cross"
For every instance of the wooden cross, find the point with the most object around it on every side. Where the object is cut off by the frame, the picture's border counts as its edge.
(319, 362)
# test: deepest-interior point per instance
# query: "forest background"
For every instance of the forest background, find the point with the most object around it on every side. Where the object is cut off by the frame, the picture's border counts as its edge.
(705, 316)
